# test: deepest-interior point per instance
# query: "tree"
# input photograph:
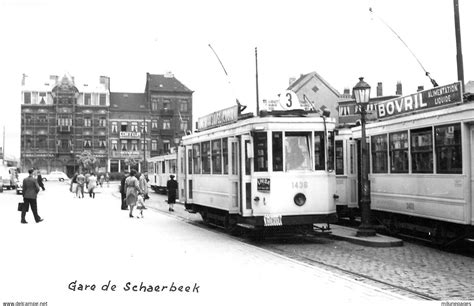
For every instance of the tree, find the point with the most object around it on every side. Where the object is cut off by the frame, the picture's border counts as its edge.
(130, 161)
(87, 161)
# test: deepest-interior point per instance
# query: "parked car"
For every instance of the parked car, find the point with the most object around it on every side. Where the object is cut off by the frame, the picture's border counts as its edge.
(19, 184)
(55, 176)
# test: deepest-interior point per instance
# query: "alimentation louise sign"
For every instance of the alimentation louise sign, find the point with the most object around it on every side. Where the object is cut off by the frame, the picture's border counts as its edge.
(435, 97)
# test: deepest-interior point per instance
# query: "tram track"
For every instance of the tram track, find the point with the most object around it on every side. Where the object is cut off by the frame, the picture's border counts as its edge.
(357, 276)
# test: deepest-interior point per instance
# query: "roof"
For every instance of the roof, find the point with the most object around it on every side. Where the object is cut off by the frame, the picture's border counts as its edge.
(165, 83)
(128, 102)
(300, 82)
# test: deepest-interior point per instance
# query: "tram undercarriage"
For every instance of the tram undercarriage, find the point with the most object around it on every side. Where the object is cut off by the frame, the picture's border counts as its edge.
(234, 223)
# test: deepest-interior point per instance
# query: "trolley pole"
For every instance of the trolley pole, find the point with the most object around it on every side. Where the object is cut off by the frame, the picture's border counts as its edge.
(256, 80)
(457, 27)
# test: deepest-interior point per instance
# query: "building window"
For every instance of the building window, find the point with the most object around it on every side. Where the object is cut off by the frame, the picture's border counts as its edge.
(154, 124)
(339, 157)
(64, 120)
(422, 150)
(216, 157)
(166, 124)
(183, 106)
(27, 97)
(399, 152)
(114, 145)
(87, 143)
(166, 104)
(102, 143)
(134, 145)
(103, 122)
(379, 154)
(260, 149)
(87, 99)
(114, 127)
(123, 127)
(154, 105)
(134, 127)
(143, 127)
(43, 97)
(87, 122)
(143, 145)
(123, 145)
(102, 99)
(183, 125)
(154, 145)
(166, 146)
(448, 149)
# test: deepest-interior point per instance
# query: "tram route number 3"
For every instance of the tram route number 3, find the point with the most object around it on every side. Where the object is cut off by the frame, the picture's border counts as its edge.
(299, 185)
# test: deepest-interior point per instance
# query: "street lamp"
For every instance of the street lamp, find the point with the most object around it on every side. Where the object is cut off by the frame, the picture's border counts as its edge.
(362, 96)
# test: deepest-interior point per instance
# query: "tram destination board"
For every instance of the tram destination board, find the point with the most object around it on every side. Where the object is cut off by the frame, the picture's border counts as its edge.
(420, 101)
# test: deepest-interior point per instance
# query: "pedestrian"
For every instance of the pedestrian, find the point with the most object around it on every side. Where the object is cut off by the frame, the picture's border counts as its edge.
(92, 184)
(81, 180)
(87, 179)
(101, 180)
(73, 186)
(133, 189)
(30, 192)
(172, 188)
(143, 186)
(107, 178)
(123, 191)
(39, 179)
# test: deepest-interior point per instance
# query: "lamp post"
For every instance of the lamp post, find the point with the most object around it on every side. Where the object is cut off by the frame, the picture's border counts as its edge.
(362, 96)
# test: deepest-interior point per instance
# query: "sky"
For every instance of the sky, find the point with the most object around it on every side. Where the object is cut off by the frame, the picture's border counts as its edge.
(339, 39)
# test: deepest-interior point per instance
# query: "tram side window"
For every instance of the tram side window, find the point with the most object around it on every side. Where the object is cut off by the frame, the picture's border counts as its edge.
(330, 151)
(197, 158)
(260, 148)
(297, 148)
(277, 149)
(216, 157)
(448, 148)
(339, 157)
(190, 161)
(225, 156)
(206, 157)
(319, 156)
(399, 152)
(422, 150)
(379, 154)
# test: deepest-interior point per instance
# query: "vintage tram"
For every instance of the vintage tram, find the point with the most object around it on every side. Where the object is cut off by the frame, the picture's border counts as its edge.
(159, 170)
(274, 171)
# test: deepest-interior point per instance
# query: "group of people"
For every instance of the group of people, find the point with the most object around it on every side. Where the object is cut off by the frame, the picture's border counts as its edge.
(87, 181)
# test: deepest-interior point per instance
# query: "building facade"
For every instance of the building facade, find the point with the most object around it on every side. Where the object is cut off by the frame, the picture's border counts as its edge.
(59, 120)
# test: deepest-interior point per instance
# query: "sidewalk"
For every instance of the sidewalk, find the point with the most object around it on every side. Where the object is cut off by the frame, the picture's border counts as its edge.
(91, 242)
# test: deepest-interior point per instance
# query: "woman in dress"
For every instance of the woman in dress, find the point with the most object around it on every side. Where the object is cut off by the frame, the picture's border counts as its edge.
(132, 190)
(92, 184)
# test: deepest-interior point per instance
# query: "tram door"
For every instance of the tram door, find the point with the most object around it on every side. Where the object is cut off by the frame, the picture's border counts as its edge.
(246, 155)
(234, 175)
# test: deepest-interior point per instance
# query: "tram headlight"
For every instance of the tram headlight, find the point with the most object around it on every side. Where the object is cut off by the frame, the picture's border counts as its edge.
(299, 199)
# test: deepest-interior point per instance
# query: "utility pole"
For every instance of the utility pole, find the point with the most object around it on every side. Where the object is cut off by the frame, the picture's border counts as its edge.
(144, 146)
(458, 42)
(256, 80)
(3, 147)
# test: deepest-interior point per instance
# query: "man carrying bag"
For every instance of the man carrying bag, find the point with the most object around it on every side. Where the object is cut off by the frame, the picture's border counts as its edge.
(30, 192)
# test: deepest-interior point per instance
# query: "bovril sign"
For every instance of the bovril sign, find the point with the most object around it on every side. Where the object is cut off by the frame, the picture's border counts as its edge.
(438, 96)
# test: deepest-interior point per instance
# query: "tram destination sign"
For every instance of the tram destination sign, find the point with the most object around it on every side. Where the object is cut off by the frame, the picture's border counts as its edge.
(221, 117)
(426, 99)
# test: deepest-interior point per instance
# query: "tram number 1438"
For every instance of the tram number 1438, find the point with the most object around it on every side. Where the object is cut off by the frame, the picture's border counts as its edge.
(299, 185)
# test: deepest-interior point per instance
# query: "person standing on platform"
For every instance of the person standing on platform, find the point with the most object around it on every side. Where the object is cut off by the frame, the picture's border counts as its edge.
(123, 191)
(39, 179)
(92, 184)
(172, 187)
(30, 192)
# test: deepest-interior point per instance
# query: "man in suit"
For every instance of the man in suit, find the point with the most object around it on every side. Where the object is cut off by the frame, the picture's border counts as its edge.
(30, 192)
(39, 179)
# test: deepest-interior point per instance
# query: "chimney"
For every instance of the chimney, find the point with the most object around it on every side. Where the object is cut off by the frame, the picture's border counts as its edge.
(420, 88)
(169, 74)
(72, 80)
(106, 81)
(23, 79)
(379, 89)
(54, 78)
(347, 91)
(399, 89)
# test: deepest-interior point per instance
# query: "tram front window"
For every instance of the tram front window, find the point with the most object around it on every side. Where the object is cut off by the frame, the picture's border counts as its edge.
(297, 148)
